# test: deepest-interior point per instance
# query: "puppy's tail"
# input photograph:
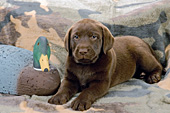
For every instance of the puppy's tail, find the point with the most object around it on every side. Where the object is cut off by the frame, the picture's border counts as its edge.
(155, 55)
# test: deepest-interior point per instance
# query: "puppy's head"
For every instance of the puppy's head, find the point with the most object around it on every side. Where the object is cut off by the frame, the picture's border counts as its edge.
(86, 39)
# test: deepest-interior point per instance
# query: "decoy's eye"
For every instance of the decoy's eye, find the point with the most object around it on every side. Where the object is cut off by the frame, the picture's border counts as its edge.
(47, 44)
(38, 44)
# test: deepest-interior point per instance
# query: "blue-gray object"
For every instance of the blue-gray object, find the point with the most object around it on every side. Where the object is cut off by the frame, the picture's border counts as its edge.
(12, 61)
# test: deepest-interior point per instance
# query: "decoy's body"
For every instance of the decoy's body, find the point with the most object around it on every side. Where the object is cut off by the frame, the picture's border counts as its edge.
(26, 72)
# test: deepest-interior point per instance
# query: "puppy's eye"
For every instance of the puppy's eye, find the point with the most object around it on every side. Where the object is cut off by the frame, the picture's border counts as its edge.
(76, 37)
(94, 37)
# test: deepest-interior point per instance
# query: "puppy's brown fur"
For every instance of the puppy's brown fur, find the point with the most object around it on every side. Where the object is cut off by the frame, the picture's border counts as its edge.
(96, 62)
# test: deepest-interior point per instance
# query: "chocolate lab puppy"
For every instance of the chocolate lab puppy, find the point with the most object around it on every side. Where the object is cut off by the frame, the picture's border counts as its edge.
(96, 61)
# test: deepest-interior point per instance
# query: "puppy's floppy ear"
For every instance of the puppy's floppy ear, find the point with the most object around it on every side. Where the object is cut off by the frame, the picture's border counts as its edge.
(67, 41)
(107, 39)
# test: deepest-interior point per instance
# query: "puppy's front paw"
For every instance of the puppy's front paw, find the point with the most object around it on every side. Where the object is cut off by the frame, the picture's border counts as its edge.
(81, 104)
(58, 99)
(154, 78)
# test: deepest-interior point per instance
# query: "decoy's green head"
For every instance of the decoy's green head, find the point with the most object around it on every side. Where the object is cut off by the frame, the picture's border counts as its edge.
(41, 54)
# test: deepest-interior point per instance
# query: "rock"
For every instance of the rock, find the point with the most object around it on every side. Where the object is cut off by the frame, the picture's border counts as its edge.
(12, 60)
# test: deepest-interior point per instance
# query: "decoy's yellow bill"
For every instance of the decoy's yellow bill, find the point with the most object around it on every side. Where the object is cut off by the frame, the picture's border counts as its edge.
(44, 63)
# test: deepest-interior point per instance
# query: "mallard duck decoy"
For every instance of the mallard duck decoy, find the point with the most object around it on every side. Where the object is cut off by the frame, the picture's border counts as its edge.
(25, 72)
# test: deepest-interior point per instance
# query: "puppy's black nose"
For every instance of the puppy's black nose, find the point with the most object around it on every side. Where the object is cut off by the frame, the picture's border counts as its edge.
(45, 70)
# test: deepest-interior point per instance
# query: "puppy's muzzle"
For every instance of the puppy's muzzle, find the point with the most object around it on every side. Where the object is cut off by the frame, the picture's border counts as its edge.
(83, 51)
(84, 54)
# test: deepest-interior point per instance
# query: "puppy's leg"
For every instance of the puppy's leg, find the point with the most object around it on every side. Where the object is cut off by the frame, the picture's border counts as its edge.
(150, 65)
(67, 89)
(86, 98)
